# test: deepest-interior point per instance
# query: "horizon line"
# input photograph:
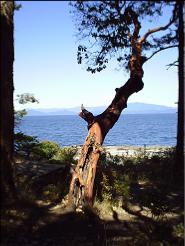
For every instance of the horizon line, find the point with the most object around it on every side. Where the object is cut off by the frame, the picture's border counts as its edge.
(71, 107)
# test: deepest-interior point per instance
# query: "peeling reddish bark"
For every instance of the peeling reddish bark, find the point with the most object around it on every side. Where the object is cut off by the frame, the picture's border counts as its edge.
(81, 187)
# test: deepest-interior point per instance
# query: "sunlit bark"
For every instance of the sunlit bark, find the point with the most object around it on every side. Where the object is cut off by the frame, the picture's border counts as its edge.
(81, 187)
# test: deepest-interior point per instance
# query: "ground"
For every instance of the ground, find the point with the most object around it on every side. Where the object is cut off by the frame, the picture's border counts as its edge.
(150, 216)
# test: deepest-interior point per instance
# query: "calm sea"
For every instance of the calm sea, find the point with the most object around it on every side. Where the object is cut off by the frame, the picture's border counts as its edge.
(131, 129)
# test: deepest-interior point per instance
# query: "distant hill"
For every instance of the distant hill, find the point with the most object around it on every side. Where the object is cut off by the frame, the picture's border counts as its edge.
(133, 108)
(145, 108)
(33, 112)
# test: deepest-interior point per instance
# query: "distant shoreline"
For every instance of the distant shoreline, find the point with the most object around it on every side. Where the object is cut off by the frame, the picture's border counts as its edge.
(123, 113)
(134, 108)
(130, 150)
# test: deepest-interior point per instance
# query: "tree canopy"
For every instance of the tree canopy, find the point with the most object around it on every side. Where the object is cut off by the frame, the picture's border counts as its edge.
(114, 28)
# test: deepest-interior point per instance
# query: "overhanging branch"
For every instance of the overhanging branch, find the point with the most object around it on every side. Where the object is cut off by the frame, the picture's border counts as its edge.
(175, 63)
(163, 48)
(162, 28)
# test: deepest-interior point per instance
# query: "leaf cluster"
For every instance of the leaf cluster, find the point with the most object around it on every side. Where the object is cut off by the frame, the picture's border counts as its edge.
(23, 99)
(26, 98)
(107, 27)
(25, 143)
(31, 147)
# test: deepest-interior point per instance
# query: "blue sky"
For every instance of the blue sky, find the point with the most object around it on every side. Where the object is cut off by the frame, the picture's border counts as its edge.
(46, 64)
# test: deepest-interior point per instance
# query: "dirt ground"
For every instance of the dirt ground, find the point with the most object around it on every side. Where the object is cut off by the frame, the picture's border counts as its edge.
(41, 223)
(44, 223)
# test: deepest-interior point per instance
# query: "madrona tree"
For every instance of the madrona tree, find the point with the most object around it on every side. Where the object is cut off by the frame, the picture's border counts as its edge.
(115, 29)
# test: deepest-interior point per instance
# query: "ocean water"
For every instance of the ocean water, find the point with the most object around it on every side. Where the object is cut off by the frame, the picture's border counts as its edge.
(131, 129)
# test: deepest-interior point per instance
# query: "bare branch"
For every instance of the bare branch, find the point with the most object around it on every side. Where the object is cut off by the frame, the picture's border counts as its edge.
(163, 48)
(175, 63)
(162, 28)
(87, 116)
(137, 25)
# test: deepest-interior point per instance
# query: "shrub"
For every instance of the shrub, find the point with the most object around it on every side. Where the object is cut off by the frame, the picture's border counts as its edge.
(32, 148)
(47, 149)
(66, 155)
(25, 143)
(115, 174)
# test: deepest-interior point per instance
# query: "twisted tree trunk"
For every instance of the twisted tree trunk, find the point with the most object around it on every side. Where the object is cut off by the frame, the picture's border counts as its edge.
(81, 186)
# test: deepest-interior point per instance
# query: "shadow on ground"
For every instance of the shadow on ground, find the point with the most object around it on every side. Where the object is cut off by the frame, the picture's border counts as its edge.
(30, 224)
(151, 212)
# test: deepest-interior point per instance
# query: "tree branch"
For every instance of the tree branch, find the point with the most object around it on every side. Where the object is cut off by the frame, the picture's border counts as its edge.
(137, 25)
(163, 48)
(87, 116)
(162, 28)
(175, 63)
(109, 117)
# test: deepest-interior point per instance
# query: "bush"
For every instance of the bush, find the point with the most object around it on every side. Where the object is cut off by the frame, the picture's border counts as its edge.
(66, 155)
(116, 174)
(25, 143)
(47, 149)
(112, 184)
(51, 151)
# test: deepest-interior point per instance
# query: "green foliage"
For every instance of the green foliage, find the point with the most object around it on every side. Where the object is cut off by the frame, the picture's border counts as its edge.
(47, 149)
(106, 188)
(111, 184)
(25, 143)
(18, 115)
(107, 29)
(121, 185)
(116, 174)
(52, 152)
(57, 190)
(17, 6)
(66, 155)
(30, 147)
(26, 98)
(23, 99)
